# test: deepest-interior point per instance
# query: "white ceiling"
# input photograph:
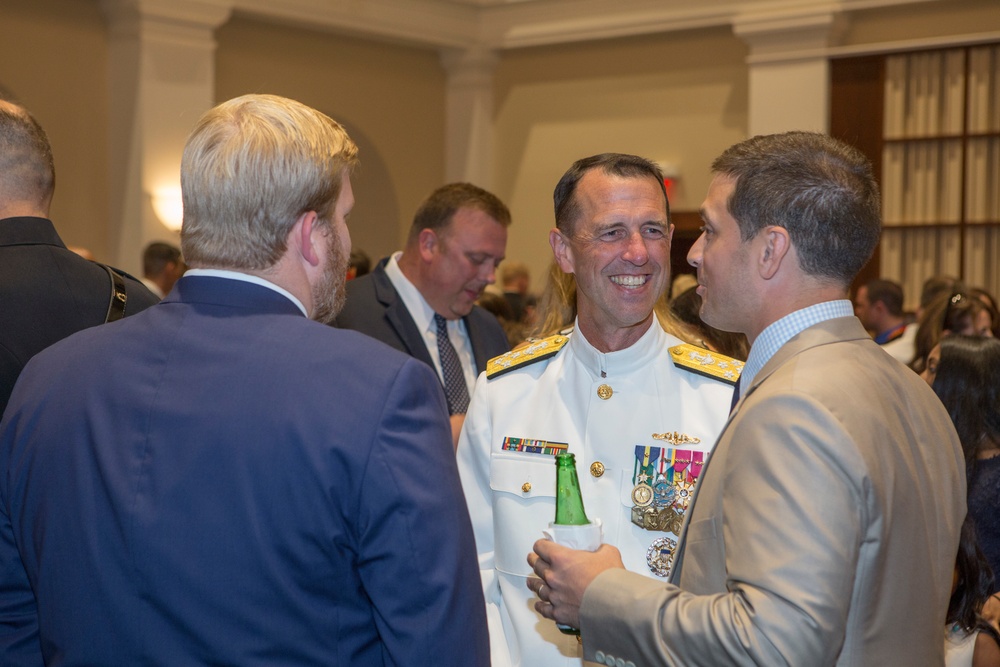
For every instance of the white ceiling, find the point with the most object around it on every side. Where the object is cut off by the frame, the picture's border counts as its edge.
(507, 24)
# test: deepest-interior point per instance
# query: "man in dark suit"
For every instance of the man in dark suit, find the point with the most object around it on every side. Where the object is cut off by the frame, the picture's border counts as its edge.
(187, 486)
(47, 292)
(422, 300)
(162, 267)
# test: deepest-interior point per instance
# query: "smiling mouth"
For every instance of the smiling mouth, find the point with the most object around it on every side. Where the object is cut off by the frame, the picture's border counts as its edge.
(629, 281)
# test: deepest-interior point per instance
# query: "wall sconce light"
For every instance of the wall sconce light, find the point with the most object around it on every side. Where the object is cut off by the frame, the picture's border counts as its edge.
(169, 207)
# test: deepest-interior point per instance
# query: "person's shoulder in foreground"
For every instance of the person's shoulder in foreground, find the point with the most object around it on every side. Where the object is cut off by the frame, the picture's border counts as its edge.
(219, 479)
(47, 292)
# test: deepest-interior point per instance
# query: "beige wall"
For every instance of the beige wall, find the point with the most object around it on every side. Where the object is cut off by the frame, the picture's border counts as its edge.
(680, 97)
(677, 98)
(53, 59)
(390, 98)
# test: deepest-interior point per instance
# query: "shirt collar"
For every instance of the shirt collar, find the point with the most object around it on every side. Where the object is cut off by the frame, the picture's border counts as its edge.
(781, 331)
(620, 362)
(247, 278)
(420, 310)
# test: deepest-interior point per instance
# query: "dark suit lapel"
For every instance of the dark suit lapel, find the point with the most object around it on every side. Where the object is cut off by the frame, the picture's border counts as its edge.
(398, 317)
(479, 344)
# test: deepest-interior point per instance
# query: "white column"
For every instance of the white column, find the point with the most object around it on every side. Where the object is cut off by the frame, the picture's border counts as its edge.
(162, 79)
(789, 70)
(469, 116)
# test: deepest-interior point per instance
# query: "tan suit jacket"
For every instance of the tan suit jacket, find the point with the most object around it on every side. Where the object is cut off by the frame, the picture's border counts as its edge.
(824, 530)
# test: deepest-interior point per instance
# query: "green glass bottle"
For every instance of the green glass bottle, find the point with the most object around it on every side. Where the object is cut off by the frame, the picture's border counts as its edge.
(569, 505)
(569, 502)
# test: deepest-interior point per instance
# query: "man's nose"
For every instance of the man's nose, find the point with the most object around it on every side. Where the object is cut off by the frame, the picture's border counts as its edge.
(694, 254)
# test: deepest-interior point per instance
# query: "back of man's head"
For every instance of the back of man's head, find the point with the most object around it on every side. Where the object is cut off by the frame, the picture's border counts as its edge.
(514, 274)
(27, 173)
(437, 210)
(819, 189)
(622, 165)
(251, 167)
(889, 293)
(157, 256)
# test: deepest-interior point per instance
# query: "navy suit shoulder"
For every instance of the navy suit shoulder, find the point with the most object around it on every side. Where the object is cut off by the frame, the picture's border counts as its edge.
(374, 308)
(267, 510)
(48, 292)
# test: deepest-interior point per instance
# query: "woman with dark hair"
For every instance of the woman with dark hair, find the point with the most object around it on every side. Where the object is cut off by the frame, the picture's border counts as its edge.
(991, 304)
(964, 372)
(969, 639)
(959, 313)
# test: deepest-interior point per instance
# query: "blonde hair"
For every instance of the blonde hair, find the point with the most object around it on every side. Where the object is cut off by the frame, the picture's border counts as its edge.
(251, 167)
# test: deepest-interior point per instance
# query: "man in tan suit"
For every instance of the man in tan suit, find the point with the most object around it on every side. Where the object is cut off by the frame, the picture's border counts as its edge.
(825, 527)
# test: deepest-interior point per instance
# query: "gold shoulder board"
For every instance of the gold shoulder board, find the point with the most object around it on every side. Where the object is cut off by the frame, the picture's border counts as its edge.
(707, 363)
(526, 353)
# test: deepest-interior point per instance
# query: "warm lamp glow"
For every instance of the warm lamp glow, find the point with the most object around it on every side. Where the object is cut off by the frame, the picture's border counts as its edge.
(168, 207)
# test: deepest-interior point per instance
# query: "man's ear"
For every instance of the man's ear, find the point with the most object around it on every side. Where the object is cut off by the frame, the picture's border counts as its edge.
(561, 250)
(776, 245)
(427, 243)
(305, 236)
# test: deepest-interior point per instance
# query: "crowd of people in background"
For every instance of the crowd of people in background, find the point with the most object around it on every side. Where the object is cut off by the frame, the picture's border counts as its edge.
(474, 375)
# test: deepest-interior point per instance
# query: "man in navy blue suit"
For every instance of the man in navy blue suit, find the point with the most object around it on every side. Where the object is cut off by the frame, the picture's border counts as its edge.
(188, 486)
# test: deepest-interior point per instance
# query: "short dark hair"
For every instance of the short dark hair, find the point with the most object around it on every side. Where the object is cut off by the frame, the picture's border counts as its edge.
(888, 292)
(441, 205)
(615, 164)
(361, 262)
(157, 255)
(27, 170)
(819, 189)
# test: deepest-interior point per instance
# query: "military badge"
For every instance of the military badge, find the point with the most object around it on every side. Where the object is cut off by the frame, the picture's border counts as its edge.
(660, 556)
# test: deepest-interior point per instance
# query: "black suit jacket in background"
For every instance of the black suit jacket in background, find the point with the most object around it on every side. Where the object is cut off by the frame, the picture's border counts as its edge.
(374, 308)
(48, 292)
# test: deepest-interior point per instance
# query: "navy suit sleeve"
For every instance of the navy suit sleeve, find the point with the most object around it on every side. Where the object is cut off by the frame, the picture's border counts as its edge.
(19, 643)
(418, 557)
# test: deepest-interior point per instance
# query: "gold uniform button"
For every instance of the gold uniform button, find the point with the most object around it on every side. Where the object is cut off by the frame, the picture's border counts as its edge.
(604, 392)
(596, 469)
(526, 487)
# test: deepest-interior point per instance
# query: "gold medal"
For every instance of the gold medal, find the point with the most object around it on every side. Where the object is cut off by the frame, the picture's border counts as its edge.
(642, 495)
(665, 518)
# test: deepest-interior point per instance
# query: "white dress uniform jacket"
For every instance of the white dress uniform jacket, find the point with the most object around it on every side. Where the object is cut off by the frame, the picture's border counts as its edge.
(511, 494)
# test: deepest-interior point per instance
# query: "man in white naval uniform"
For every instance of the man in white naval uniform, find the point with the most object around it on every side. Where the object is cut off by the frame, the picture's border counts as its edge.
(640, 410)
